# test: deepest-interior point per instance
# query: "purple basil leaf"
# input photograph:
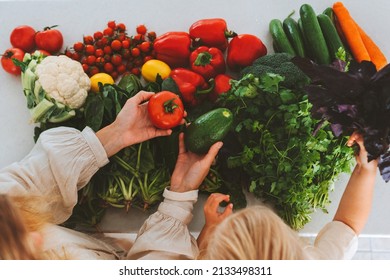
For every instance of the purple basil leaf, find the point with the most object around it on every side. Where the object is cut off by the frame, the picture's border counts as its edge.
(384, 166)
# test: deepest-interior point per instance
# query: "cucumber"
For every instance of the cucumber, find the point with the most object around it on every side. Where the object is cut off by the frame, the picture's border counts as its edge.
(290, 27)
(329, 12)
(208, 129)
(332, 38)
(314, 36)
(308, 50)
(280, 37)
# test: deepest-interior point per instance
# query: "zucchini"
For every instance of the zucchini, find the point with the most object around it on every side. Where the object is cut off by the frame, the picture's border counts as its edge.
(208, 129)
(290, 27)
(280, 37)
(332, 38)
(314, 36)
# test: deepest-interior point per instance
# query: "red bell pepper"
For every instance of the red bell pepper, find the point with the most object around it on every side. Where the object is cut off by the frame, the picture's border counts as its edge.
(211, 32)
(221, 86)
(192, 86)
(243, 50)
(173, 48)
(207, 62)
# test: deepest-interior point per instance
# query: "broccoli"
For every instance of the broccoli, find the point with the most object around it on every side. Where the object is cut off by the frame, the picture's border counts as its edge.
(278, 63)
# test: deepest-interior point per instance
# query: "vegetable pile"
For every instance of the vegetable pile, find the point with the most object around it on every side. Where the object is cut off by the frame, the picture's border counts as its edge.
(284, 117)
(283, 162)
(322, 37)
(357, 100)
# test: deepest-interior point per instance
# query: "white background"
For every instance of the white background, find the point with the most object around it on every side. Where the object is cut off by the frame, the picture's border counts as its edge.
(78, 18)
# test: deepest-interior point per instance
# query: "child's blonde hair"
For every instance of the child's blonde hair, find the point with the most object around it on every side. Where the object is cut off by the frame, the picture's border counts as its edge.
(17, 220)
(253, 233)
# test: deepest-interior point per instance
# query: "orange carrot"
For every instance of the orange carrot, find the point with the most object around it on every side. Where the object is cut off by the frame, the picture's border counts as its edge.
(376, 55)
(351, 32)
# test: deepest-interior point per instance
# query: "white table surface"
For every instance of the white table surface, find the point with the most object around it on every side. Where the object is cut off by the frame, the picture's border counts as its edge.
(78, 18)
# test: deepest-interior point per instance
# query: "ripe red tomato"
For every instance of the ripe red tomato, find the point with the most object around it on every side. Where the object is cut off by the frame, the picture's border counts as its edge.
(141, 29)
(50, 40)
(165, 109)
(8, 64)
(22, 37)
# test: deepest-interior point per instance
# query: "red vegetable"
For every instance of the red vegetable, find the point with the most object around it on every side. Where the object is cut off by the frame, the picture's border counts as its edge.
(173, 48)
(165, 109)
(8, 64)
(207, 62)
(222, 85)
(192, 86)
(49, 39)
(22, 37)
(211, 32)
(243, 50)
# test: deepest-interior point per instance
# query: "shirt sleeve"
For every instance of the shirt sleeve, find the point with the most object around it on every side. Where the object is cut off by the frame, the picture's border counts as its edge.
(62, 161)
(336, 241)
(165, 234)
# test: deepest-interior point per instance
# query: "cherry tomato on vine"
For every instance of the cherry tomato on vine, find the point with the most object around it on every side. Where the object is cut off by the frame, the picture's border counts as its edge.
(49, 39)
(121, 26)
(7, 63)
(145, 46)
(89, 49)
(111, 24)
(108, 67)
(88, 40)
(97, 35)
(135, 52)
(116, 59)
(141, 29)
(22, 37)
(126, 44)
(116, 45)
(78, 47)
(108, 31)
(165, 110)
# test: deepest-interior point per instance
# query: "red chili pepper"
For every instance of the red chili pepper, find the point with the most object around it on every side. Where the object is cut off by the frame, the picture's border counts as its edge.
(211, 32)
(192, 86)
(222, 85)
(243, 50)
(207, 62)
(173, 48)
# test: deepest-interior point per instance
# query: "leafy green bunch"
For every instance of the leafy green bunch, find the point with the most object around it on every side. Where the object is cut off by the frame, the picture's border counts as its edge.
(288, 164)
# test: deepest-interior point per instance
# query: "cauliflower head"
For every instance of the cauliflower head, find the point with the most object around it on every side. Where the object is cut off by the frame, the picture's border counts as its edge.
(64, 80)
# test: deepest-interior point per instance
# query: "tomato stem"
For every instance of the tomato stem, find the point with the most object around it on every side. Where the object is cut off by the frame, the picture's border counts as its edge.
(170, 106)
(50, 27)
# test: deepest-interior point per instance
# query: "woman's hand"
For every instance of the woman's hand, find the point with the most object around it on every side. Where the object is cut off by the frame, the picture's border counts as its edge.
(191, 169)
(362, 155)
(131, 126)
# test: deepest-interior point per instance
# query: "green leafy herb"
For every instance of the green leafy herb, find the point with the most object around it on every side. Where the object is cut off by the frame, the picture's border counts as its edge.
(286, 164)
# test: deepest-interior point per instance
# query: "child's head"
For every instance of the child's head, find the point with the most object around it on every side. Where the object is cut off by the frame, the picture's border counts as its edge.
(253, 233)
(20, 225)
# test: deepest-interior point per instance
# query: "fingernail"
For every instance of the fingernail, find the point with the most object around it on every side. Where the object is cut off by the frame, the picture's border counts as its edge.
(220, 144)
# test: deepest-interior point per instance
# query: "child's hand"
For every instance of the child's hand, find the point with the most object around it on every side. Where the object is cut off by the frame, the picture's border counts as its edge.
(212, 216)
(191, 169)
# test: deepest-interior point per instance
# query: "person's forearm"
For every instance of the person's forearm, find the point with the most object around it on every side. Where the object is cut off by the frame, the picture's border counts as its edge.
(203, 237)
(110, 137)
(355, 204)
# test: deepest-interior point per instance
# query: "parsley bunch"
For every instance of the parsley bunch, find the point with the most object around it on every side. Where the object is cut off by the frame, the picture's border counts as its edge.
(286, 163)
